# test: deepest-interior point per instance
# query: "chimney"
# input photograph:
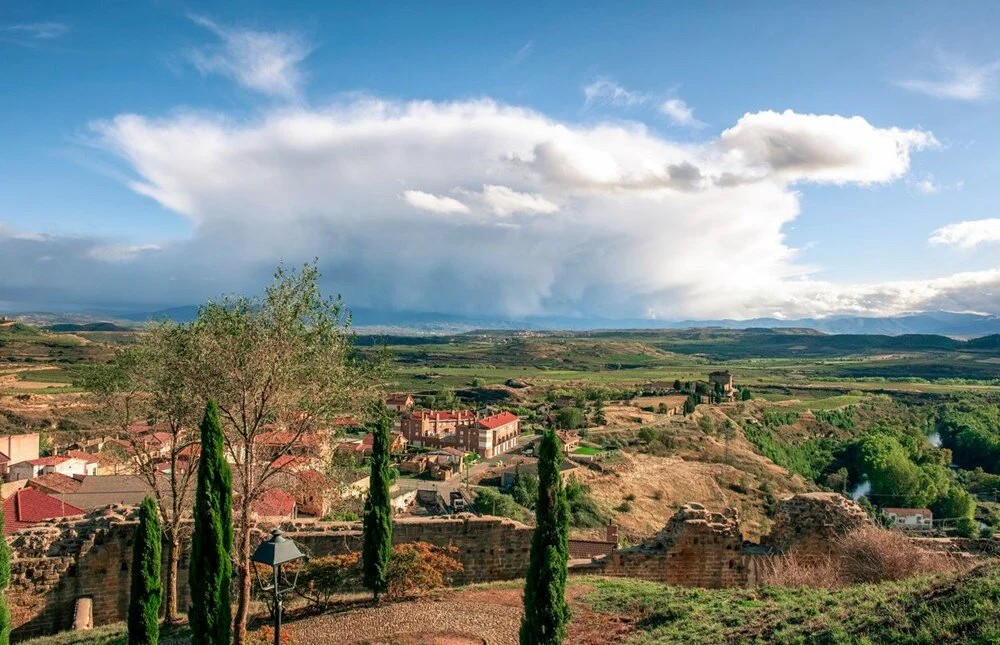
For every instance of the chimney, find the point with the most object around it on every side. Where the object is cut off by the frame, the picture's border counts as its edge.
(612, 535)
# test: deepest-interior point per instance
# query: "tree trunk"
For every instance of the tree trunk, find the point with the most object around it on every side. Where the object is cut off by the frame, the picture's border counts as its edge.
(244, 580)
(170, 583)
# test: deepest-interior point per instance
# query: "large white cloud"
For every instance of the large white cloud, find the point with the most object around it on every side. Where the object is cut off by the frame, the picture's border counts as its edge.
(969, 233)
(479, 207)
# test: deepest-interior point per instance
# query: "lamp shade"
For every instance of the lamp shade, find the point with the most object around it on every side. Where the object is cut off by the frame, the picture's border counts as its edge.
(277, 550)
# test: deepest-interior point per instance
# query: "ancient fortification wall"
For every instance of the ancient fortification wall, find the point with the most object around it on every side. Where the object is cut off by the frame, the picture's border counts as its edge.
(55, 564)
(701, 548)
(58, 563)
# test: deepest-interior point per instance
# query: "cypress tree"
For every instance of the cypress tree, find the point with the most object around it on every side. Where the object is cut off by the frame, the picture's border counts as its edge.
(211, 572)
(546, 612)
(377, 546)
(4, 583)
(144, 597)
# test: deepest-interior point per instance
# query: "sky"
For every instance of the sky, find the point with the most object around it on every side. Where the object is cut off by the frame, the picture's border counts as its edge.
(639, 160)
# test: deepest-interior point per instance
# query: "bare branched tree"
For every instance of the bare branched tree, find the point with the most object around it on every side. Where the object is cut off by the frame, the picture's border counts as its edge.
(280, 365)
(152, 381)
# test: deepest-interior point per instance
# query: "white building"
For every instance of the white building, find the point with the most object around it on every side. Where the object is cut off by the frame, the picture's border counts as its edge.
(910, 519)
(68, 466)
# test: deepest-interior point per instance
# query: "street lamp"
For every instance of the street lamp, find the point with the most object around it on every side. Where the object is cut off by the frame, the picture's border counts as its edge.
(275, 552)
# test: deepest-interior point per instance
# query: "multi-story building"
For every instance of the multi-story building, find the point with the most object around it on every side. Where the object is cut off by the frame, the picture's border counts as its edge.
(487, 436)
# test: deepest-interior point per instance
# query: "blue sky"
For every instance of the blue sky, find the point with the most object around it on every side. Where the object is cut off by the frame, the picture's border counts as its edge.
(103, 102)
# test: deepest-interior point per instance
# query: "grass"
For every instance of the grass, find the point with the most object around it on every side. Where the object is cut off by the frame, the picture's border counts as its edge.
(114, 634)
(921, 611)
(587, 450)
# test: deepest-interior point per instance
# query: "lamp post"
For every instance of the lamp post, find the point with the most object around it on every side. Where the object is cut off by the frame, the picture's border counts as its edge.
(275, 552)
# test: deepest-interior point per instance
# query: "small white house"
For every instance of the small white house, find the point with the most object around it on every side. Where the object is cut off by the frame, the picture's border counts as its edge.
(69, 466)
(910, 519)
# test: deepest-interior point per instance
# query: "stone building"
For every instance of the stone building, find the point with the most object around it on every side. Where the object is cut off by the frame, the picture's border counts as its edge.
(487, 436)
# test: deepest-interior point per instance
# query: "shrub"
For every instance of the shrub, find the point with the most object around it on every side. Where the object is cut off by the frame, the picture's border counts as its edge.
(418, 567)
(793, 571)
(322, 578)
(872, 554)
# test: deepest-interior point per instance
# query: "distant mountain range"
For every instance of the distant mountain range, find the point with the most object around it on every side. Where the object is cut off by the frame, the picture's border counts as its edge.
(958, 325)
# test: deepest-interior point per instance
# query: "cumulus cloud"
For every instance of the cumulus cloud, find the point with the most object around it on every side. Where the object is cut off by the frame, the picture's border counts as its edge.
(822, 148)
(680, 113)
(262, 61)
(968, 234)
(433, 203)
(958, 80)
(609, 220)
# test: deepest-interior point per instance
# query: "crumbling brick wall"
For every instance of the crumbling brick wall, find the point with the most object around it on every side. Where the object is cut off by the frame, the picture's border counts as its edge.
(810, 523)
(57, 563)
(697, 548)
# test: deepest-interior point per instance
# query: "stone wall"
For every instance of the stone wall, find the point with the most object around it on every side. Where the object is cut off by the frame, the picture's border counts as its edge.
(697, 548)
(810, 523)
(57, 563)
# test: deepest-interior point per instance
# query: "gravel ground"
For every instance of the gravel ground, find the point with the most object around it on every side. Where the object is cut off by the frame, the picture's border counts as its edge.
(423, 622)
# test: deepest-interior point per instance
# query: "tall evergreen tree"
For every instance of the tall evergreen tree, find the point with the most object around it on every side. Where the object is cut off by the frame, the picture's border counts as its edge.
(546, 612)
(144, 597)
(377, 546)
(4, 582)
(210, 575)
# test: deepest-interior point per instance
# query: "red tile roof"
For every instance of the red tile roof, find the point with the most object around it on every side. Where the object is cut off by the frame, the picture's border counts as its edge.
(345, 421)
(286, 438)
(85, 456)
(274, 503)
(909, 511)
(289, 462)
(29, 506)
(398, 399)
(497, 420)
(55, 483)
(48, 461)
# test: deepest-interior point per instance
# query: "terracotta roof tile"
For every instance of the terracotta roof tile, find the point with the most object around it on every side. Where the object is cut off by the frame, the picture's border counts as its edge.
(29, 506)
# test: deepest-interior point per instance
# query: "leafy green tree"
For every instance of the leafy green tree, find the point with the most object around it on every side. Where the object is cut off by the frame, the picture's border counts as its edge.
(524, 489)
(377, 548)
(689, 404)
(956, 503)
(285, 356)
(211, 565)
(745, 394)
(677, 384)
(546, 612)
(490, 501)
(569, 418)
(145, 591)
(4, 583)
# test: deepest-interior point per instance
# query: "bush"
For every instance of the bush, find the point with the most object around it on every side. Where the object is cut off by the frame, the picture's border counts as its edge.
(793, 571)
(872, 554)
(322, 578)
(418, 567)
(492, 502)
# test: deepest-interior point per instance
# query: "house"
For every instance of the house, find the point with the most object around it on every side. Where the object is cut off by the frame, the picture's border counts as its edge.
(55, 483)
(397, 443)
(910, 519)
(279, 442)
(105, 465)
(16, 448)
(274, 505)
(28, 506)
(529, 466)
(488, 436)
(68, 466)
(93, 445)
(98, 491)
(570, 440)
(399, 402)
(723, 379)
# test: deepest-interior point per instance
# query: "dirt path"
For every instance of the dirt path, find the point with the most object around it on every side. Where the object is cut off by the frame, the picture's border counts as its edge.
(489, 616)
